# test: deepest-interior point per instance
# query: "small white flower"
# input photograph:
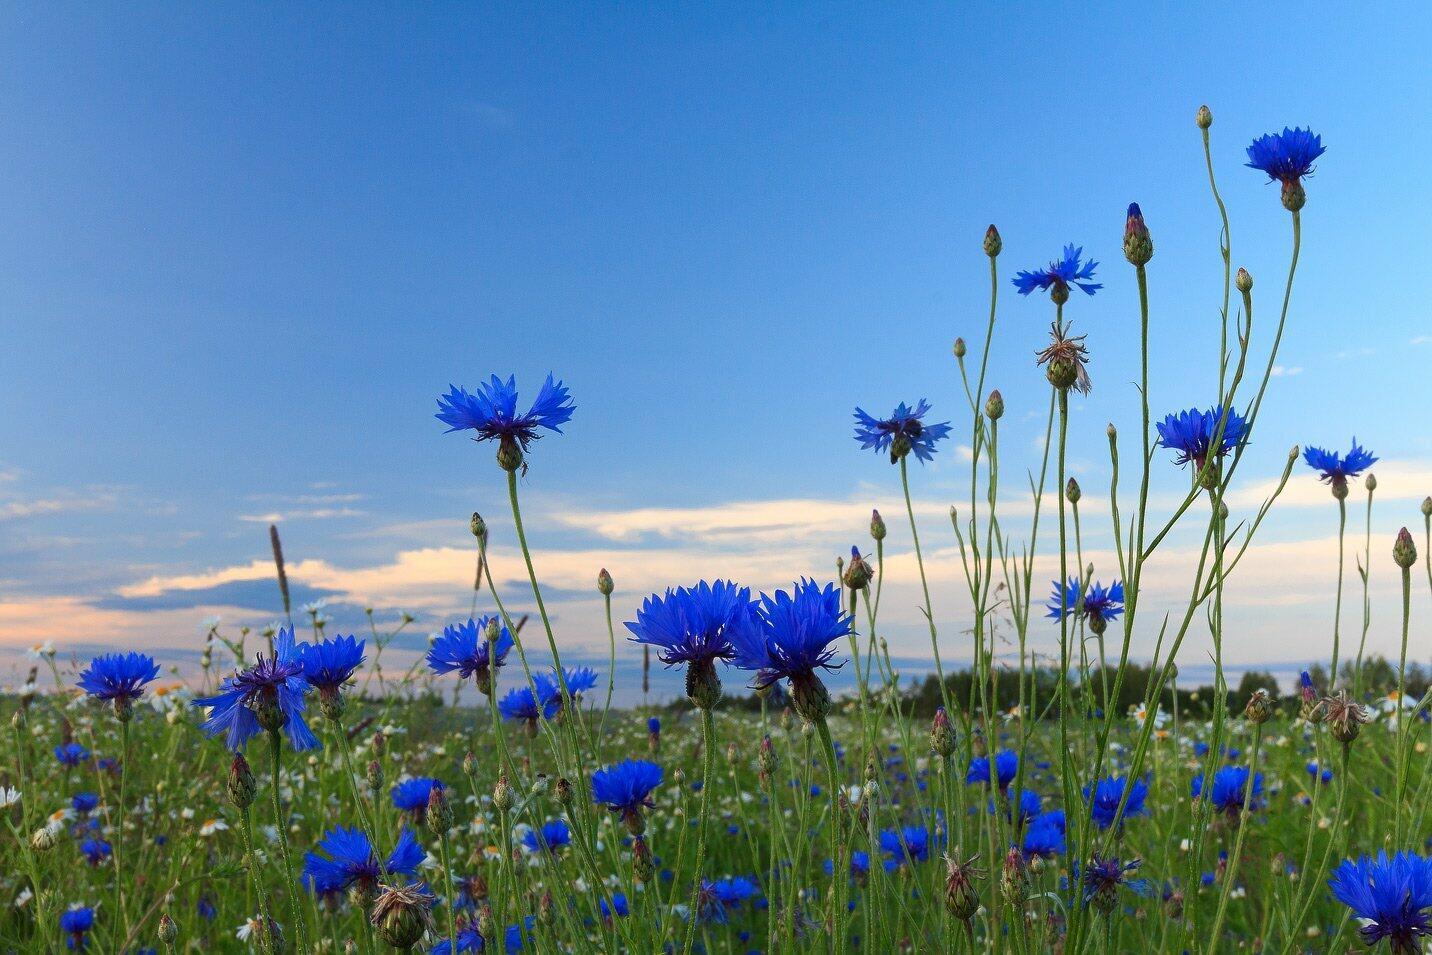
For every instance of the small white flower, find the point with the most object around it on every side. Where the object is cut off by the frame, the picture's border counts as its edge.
(212, 826)
(41, 650)
(23, 899)
(9, 796)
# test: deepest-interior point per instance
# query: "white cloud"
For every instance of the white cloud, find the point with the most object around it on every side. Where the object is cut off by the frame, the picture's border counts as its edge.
(1283, 371)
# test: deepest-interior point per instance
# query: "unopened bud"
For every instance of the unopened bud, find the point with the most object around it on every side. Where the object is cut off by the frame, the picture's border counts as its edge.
(1138, 244)
(375, 776)
(1370, 482)
(877, 524)
(993, 244)
(960, 893)
(643, 866)
(502, 793)
(605, 586)
(1243, 281)
(1260, 707)
(942, 735)
(563, 791)
(994, 405)
(439, 815)
(479, 528)
(1404, 551)
(960, 348)
(469, 763)
(242, 786)
(859, 574)
(167, 930)
(1072, 492)
(1427, 507)
(42, 839)
(1205, 117)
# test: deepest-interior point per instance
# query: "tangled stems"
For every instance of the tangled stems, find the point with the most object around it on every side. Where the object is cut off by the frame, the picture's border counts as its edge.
(1232, 873)
(708, 746)
(281, 823)
(841, 874)
(448, 888)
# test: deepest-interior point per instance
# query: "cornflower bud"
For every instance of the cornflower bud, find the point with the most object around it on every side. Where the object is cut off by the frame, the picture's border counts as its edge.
(469, 763)
(1205, 117)
(1260, 707)
(1138, 245)
(942, 735)
(402, 914)
(439, 814)
(859, 574)
(960, 349)
(1072, 492)
(375, 776)
(643, 866)
(479, 528)
(563, 791)
(167, 931)
(242, 786)
(1243, 281)
(877, 524)
(960, 893)
(766, 759)
(993, 244)
(994, 406)
(1404, 551)
(605, 585)
(502, 793)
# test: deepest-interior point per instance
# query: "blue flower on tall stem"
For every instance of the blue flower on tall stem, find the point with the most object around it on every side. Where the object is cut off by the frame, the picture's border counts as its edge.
(1102, 878)
(1101, 604)
(1287, 157)
(901, 433)
(71, 754)
(267, 696)
(1390, 897)
(1191, 434)
(119, 678)
(1059, 275)
(1029, 803)
(463, 647)
(520, 705)
(908, 844)
(492, 412)
(1105, 795)
(345, 857)
(579, 680)
(1006, 766)
(694, 626)
(716, 899)
(626, 789)
(329, 664)
(76, 923)
(412, 795)
(96, 851)
(550, 837)
(1226, 794)
(1334, 469)
(83, 803)
(792, 639)
(1045, 835)
(471, 940)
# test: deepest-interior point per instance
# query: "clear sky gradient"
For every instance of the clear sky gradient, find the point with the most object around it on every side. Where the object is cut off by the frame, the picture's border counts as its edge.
(243, 247)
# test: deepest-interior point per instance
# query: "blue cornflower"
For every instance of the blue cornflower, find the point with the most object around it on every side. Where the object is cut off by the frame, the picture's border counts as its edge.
(859, 865)
(907, 844)
(1029, 804)
(1060, 275)
(552, 836)
(329, 664)
(96, 850)
(1006, 764)
(791, 639)
(1191, 432)
(471, 940)
(1390, 897)
(619, 903)
(1100, 604)
(348, 859)
(653, 726)
(1102, 879)
(1228, 785)
(412, 795)
(1287, 157)
(1335, 469)
(71, 754)
(75, 923)
(626, 789)
(1045, 835)
(695, 625)
(1104, 797)
(492, 413)
(1316, 771)
(84, 802)
(520, 704)
(272, 690)
(579, 680)
(904, 431)
(463, 647)
(119, 677)
(717, 898)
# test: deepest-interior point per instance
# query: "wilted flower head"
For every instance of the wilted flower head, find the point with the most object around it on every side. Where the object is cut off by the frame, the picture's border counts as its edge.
(901, 433)
(1066, 359)
(1344, 715)
(1389, 897)
(402, 914)
(269, 695)
(1059, 275)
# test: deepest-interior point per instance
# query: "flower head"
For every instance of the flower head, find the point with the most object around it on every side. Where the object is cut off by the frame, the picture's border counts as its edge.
(794, 634)
(412, 795)
(1045, 835)
(578, 679)
(75, 923)
(84, 802)
(463, 647)
(716, 899)
(626, 787)
(906, 844)
(492, 413)
(1105, 795)
(71, 754)
(693, 624)
(1102, 878)
(345, 857)
(268, 695)
(1335, 469)
(1191, 434)
(1287, 157)
(520, 704)
(904, 431)
(1100, 604)
(96, 850)
(1389, 896)
(552, 836)
(118, 676)
(1006, 765)
(1066, 359)
(1228, 786)
(329, 664)
(1059, 275)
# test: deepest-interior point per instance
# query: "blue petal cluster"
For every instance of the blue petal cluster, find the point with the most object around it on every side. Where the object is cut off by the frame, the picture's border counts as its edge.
(1006, 765)
(1060, 274)
(118, 676)
(411, 795)
(879, 434)
(1191, 433)
(627, 786)
(718, 898)
(520, 704)
(273, 681)
(793, 634)
(1104, 797)
(1228, 785)
(345, 857)
(1334, 468)
(1100, 603)
(552, 836)
(463, 647)
(693, 624)
(329, 664)
(492, 411)
(1389, 896)
(1045, 835)
(1287, 156)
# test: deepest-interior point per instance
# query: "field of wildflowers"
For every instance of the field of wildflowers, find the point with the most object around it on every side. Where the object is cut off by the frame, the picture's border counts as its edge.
(294, 797)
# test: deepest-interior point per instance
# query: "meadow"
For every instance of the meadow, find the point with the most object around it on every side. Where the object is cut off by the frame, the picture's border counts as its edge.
(295, 795)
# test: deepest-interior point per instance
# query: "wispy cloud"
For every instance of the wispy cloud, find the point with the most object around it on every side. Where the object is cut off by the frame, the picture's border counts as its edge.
(1284, 371)
(311, 514)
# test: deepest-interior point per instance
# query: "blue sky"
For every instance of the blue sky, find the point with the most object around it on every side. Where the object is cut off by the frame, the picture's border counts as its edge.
(242, 249)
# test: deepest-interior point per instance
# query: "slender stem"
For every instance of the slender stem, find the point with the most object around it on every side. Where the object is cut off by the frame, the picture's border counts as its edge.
(1231, 874)
(708, 746)
(925, 585)
(281, 824)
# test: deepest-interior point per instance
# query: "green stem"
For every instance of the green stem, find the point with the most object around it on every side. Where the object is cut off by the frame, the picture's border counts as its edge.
(708, 746)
